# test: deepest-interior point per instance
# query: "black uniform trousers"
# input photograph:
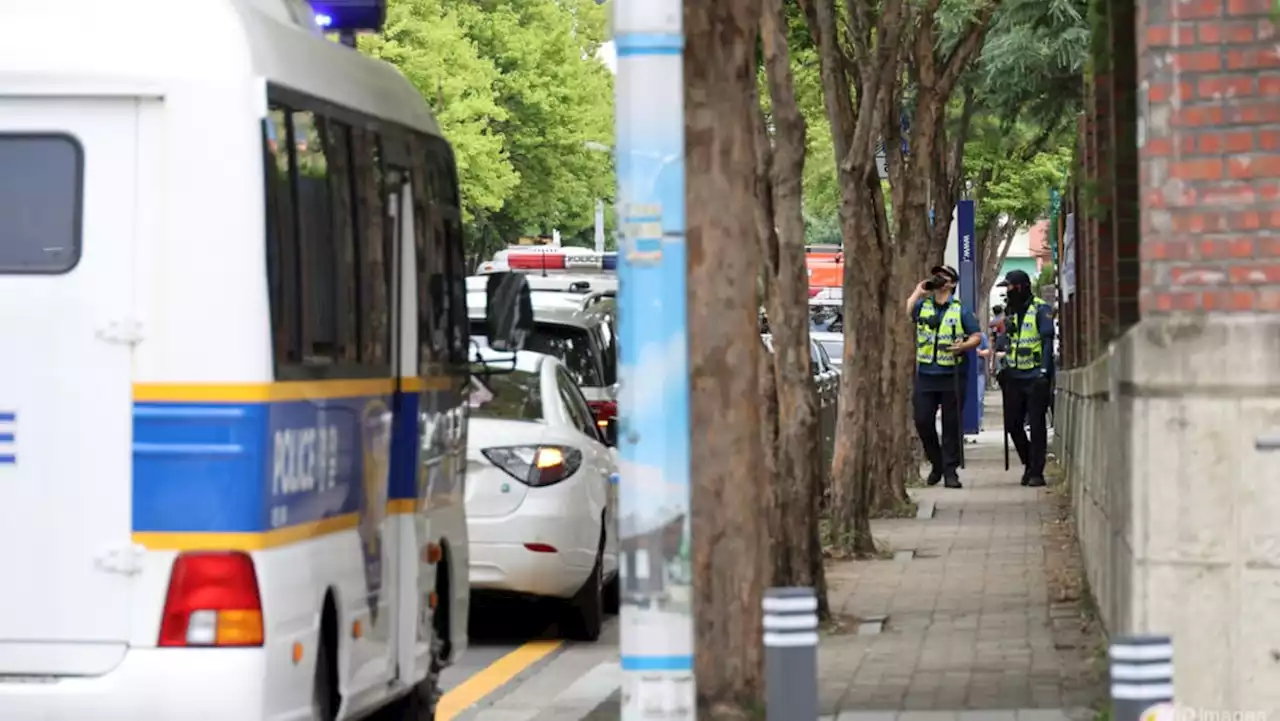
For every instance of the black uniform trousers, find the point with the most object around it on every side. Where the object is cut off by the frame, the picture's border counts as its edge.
(944, 391)
(1026, 402)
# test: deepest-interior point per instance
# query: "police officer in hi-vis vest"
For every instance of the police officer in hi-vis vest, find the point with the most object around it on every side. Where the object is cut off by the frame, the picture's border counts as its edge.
(1026, 379)
(945, 331)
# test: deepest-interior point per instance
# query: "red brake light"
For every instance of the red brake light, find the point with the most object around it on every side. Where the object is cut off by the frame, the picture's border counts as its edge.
(604, 411)
(213, 601)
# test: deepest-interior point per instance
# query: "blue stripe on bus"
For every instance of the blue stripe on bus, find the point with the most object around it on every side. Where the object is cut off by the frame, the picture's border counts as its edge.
(212, 467)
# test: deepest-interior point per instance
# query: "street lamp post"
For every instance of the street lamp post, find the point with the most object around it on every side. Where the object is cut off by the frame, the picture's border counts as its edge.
(656, 619)
(599, 234)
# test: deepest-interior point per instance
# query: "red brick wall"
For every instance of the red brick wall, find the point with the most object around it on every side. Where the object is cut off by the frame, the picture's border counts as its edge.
(1209, 107)
(1086, 254)
(1124, 193)
(1103, 268)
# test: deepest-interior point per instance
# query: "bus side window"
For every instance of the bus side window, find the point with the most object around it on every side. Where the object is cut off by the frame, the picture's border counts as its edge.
(373, 246)
(328, 270)
(315, 224)
(432, 329)
(444, 192)
(282, 236)
(347, 318)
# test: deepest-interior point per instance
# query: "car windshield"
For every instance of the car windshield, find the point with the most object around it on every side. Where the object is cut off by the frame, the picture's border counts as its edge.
(570, 344)
(513, 396)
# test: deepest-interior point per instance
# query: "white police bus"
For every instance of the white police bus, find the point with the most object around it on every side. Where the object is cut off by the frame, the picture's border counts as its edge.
(232, 437)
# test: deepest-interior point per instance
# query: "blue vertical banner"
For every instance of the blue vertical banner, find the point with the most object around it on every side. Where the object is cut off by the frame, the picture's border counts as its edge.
(969, 285)
(656, 615)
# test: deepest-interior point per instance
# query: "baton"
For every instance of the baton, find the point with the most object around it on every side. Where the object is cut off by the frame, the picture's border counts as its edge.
(960, 410)
(1006, 449)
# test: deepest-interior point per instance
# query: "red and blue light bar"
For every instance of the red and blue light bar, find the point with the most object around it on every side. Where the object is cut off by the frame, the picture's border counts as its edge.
(562, 261)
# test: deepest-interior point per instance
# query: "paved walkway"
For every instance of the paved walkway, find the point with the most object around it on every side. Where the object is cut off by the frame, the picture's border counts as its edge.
(970, 622)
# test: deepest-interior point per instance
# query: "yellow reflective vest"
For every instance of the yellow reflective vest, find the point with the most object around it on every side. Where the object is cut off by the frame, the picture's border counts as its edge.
(1026, 348)
(937, 329)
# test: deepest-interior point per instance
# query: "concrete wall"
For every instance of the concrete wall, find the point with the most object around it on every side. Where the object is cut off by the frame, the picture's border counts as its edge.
(1177, 508)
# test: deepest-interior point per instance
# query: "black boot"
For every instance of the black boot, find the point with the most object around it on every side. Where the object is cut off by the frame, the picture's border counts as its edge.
(935, 475)
(1026, 477)
(1034, 480)
(952, 480)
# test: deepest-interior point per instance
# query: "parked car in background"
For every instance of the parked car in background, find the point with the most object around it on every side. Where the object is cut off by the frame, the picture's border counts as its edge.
(541, 491)
(832, 344)
(572, 283)
(577, 328)
(827, 379)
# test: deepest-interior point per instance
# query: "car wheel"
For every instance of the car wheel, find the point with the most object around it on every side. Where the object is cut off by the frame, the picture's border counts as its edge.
(612, 593)
(585, 616)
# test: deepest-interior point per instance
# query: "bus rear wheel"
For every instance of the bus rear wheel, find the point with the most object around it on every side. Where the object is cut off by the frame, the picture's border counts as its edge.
(324, 695)
(421, 703)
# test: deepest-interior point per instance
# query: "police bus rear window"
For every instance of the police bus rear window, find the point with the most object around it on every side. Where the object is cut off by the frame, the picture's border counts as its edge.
(40, 203)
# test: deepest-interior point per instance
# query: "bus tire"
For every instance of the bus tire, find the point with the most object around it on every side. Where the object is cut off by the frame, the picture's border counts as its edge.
(422, 701)
(325, 700)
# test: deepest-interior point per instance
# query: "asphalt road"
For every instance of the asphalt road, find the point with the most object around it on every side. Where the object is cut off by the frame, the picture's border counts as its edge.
(497, 627)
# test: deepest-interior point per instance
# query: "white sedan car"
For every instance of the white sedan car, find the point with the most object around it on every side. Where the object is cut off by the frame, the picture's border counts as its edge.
(541, 490)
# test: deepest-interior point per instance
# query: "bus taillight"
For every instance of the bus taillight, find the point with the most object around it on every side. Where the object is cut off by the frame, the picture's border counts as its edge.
(213, 601)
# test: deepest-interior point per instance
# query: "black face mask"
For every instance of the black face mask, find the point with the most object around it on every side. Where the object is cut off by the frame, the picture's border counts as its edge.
(1017, 297)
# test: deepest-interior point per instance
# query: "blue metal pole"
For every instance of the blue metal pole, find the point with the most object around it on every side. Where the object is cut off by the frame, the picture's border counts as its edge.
(656, 620)
(969, 299)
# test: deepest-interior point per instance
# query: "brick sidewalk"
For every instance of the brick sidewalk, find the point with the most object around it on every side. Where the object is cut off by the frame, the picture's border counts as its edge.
(970, 624)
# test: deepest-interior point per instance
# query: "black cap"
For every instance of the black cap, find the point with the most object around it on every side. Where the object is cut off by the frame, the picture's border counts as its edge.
(1015, 277)
(947, 271)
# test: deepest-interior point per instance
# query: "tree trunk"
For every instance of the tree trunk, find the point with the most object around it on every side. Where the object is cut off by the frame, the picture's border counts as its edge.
(898, 378)
(996, 239)
(799, 449)
(853, 135)
(730, 529)
(859, 445)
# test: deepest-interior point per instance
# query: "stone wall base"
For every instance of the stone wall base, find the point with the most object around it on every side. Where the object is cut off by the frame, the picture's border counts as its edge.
(1177, 499)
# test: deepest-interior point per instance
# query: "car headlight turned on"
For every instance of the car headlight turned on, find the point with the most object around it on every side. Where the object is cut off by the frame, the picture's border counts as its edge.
(536, 466)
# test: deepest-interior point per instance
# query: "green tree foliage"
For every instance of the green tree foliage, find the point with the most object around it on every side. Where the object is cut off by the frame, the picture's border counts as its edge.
(519, 92)
(1032, 64)
(1045, 277)
(821, 192)
(1028, 77)
(1014, 166)
(424, 39)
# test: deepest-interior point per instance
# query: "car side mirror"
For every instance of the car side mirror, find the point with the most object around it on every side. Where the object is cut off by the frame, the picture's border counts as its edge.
(508, 311)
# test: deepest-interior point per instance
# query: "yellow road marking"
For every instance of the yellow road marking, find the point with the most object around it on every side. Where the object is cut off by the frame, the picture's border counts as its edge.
(492, 677)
